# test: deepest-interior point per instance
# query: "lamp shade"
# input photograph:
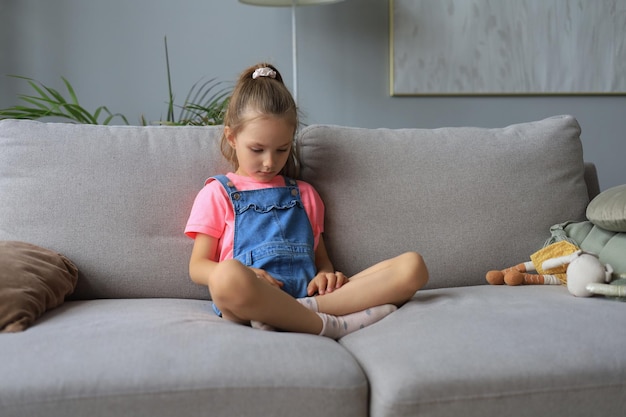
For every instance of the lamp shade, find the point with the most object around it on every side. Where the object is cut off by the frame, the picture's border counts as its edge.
(287, 2)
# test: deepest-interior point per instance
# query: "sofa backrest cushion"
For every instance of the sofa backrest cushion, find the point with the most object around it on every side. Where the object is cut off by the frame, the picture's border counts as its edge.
(468, 199)
(113, 199)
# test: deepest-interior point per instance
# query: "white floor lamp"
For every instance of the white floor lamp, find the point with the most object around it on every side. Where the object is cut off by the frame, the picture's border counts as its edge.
(294, 42)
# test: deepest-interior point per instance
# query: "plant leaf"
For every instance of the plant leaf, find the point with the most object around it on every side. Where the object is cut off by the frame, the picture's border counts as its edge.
(70, 90)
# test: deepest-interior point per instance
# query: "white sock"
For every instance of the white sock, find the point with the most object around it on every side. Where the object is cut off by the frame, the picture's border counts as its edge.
(336, 327)
(262, 326)
(309, 302)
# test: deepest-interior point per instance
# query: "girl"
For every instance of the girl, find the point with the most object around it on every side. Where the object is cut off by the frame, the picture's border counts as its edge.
(258, 233)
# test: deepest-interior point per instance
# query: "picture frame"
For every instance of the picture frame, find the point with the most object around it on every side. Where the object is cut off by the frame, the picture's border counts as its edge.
(509, 47)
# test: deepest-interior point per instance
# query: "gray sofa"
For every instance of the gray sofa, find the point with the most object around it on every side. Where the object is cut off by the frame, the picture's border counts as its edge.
(138, 338)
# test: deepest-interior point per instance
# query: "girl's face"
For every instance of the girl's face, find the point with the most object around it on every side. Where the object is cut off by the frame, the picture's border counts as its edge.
(262, 146)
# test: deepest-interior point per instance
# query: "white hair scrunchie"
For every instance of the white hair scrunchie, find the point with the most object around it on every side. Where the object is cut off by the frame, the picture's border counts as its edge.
(263, 72)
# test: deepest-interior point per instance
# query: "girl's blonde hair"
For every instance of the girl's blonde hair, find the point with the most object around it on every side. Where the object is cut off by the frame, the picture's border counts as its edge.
(260, 96)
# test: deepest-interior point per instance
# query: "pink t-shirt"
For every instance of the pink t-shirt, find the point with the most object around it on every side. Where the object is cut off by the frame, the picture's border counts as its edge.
(212, 212)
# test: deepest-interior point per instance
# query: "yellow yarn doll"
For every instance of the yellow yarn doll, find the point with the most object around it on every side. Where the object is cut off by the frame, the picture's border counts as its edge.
(521, 273)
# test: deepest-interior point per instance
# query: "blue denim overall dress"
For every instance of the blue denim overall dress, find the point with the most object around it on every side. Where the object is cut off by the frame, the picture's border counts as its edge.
(273, 233)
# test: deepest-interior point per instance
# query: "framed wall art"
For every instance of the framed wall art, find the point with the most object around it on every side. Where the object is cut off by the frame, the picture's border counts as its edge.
(507, 47)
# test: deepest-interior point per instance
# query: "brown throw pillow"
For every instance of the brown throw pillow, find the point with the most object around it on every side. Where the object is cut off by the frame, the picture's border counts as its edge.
(32, 280)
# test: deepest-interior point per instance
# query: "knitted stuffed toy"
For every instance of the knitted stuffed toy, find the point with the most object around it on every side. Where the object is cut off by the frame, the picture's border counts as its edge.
(583, 269)
(588, 275)
(563, 262)
(523, 273)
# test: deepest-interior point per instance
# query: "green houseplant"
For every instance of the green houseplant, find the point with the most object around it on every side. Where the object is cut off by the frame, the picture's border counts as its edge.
(205, 104)
(48, 102)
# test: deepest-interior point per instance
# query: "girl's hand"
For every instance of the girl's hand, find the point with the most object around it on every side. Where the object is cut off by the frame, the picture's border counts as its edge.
(326, 282)
(263, 275)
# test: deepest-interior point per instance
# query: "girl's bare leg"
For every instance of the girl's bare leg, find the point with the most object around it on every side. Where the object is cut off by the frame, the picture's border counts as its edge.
(393, 281)
(243, 297)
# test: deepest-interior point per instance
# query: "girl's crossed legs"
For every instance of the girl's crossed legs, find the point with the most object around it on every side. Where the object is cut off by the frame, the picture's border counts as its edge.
(242, 297)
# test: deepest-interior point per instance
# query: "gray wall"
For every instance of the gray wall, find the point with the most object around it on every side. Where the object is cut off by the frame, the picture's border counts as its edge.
(112, 53)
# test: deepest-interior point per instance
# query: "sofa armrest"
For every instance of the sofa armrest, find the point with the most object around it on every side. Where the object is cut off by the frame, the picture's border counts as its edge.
(591, 179)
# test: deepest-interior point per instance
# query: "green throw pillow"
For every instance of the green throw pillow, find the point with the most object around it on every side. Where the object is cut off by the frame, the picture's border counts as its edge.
(609, 246)
(608, 209)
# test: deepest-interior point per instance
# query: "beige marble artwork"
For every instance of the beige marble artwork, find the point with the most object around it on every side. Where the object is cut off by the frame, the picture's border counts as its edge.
(508, 47)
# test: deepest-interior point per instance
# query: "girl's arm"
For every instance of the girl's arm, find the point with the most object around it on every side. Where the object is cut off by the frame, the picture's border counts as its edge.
(327, 279)
(201, 264)
(322, 260)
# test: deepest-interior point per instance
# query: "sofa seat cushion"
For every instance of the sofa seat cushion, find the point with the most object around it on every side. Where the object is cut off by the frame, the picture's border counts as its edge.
(496, 351)
(168, 357)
